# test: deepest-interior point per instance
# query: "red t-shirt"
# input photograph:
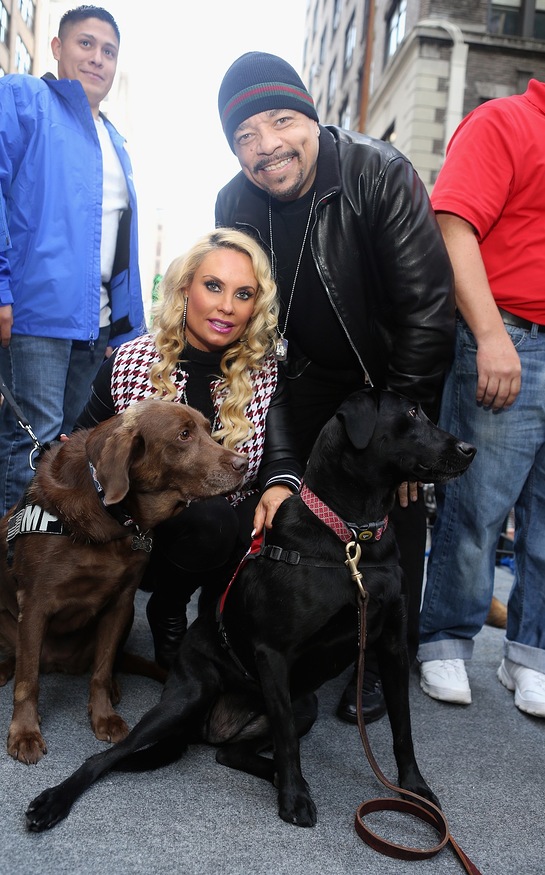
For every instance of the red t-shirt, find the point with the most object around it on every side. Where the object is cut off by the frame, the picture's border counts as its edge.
(494, 178)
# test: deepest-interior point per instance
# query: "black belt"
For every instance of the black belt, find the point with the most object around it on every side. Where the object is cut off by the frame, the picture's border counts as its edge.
(518, 321)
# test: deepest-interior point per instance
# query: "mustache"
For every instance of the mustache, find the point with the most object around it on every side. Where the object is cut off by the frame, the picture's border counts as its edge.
(266, 162)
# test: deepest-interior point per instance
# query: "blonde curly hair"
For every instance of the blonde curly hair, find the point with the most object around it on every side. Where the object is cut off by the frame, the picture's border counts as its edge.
(247, 354)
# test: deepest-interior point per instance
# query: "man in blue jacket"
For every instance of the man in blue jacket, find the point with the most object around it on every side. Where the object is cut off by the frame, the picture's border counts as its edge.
(69, 278)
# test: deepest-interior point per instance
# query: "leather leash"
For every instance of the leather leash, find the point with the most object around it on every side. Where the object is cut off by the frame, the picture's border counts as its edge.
(421, 807)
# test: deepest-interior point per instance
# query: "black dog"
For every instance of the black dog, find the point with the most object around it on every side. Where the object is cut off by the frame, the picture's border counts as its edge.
(289, 622)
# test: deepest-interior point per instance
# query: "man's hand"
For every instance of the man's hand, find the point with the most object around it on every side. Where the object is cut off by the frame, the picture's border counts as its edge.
(269, 503)
(499, 371)
(6, 322)
(407, 492)
(498, 364)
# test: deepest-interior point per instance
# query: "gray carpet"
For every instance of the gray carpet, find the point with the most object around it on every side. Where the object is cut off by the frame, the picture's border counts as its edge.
(486, 762)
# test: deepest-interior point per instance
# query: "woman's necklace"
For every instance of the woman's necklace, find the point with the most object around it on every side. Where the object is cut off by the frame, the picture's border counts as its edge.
(215, 423)
(281, 346)
(199, 368)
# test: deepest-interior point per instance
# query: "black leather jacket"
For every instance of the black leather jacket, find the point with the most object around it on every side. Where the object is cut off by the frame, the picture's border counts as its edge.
(381, 258)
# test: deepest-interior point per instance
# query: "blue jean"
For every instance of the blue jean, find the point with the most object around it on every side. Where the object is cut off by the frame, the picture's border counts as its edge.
(508, 471)
(50, 380)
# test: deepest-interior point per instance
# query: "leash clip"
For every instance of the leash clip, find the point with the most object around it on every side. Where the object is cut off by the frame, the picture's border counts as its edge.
(351, 563)
(22, 421)
(37, 448)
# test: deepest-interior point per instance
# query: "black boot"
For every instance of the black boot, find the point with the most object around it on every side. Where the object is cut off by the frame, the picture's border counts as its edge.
(171, 590)
(373, 704)
(168, 623)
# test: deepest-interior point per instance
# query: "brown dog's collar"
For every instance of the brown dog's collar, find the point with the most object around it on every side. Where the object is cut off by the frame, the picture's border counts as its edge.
(141, 540)
(344, 530)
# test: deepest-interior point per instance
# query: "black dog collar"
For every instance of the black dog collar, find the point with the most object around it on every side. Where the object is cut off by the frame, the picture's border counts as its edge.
(140, 540)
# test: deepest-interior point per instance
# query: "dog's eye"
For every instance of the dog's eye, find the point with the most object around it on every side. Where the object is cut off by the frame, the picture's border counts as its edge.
(185, 434)
(413, 412)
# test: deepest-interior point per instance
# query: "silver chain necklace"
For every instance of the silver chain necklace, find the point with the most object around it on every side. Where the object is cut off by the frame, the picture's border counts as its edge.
(281, 346)
(216, 423)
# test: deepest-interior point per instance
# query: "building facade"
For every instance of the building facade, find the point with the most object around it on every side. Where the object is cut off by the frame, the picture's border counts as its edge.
(19, 29)
(409, 70)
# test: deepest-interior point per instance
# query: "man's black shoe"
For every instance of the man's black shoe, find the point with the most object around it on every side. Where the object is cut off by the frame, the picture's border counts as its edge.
(373, 704)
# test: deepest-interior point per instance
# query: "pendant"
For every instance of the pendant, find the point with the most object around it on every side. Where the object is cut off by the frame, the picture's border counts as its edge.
(142, 541)
(281, 349)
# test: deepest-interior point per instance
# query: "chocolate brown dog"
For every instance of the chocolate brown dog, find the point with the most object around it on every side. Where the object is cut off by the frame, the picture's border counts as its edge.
(289, 621)
(66, 600)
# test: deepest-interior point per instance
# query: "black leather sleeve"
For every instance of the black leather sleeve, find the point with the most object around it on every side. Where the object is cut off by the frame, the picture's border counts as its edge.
(279, 465)
(100, 405)
(406, 268)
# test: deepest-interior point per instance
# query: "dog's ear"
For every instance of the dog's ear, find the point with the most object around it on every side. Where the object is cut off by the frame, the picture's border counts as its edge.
(112, 459)
(358, 413)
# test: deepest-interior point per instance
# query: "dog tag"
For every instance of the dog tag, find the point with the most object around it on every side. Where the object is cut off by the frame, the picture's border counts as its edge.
(281, 349)
(141, 542)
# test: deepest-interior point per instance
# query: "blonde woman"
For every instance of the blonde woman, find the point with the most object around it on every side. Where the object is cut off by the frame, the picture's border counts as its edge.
(213, 348)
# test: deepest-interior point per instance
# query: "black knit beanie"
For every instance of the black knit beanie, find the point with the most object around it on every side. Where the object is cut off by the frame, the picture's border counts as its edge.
(256, 82)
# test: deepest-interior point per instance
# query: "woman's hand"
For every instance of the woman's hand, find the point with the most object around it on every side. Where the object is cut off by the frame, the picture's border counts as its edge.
(269, 503)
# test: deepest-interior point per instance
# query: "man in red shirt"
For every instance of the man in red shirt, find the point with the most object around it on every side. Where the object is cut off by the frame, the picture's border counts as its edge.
(490, 203)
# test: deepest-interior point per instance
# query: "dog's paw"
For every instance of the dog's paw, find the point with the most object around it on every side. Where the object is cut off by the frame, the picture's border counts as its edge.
(416, 784)
(427, 793)
(111, 728)
(47, 810)
(27, 747)
(299, 809)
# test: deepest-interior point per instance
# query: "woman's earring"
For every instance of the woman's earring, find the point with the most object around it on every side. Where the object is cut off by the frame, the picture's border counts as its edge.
(184, 314)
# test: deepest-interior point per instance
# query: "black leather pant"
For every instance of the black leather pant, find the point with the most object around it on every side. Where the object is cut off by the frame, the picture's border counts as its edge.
(199, 547)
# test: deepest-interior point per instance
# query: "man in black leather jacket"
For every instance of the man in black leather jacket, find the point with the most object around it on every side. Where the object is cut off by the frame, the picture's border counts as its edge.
(364, 277)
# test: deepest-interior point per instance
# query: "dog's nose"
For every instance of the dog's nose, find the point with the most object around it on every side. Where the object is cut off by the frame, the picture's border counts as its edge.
(239, 462)
(466, 450)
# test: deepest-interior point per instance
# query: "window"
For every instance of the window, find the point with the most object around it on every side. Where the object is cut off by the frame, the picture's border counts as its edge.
(517, 18)
(27, 12)
(539, 20)
(23, 61)
(337, 9)
(321, 56)
(4, 25)
(345, 116)
(395, 27)
(350, 41)
(506, 17)
(332, 84)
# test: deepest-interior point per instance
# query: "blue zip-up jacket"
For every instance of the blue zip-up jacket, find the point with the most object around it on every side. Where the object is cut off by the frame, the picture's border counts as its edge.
(51, 215)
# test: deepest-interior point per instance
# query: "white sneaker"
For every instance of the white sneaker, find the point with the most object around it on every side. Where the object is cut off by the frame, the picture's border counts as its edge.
(446, 680)
(528, 684)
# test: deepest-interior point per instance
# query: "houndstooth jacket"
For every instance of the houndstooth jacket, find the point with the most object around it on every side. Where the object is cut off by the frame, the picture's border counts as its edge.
(130, 383)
